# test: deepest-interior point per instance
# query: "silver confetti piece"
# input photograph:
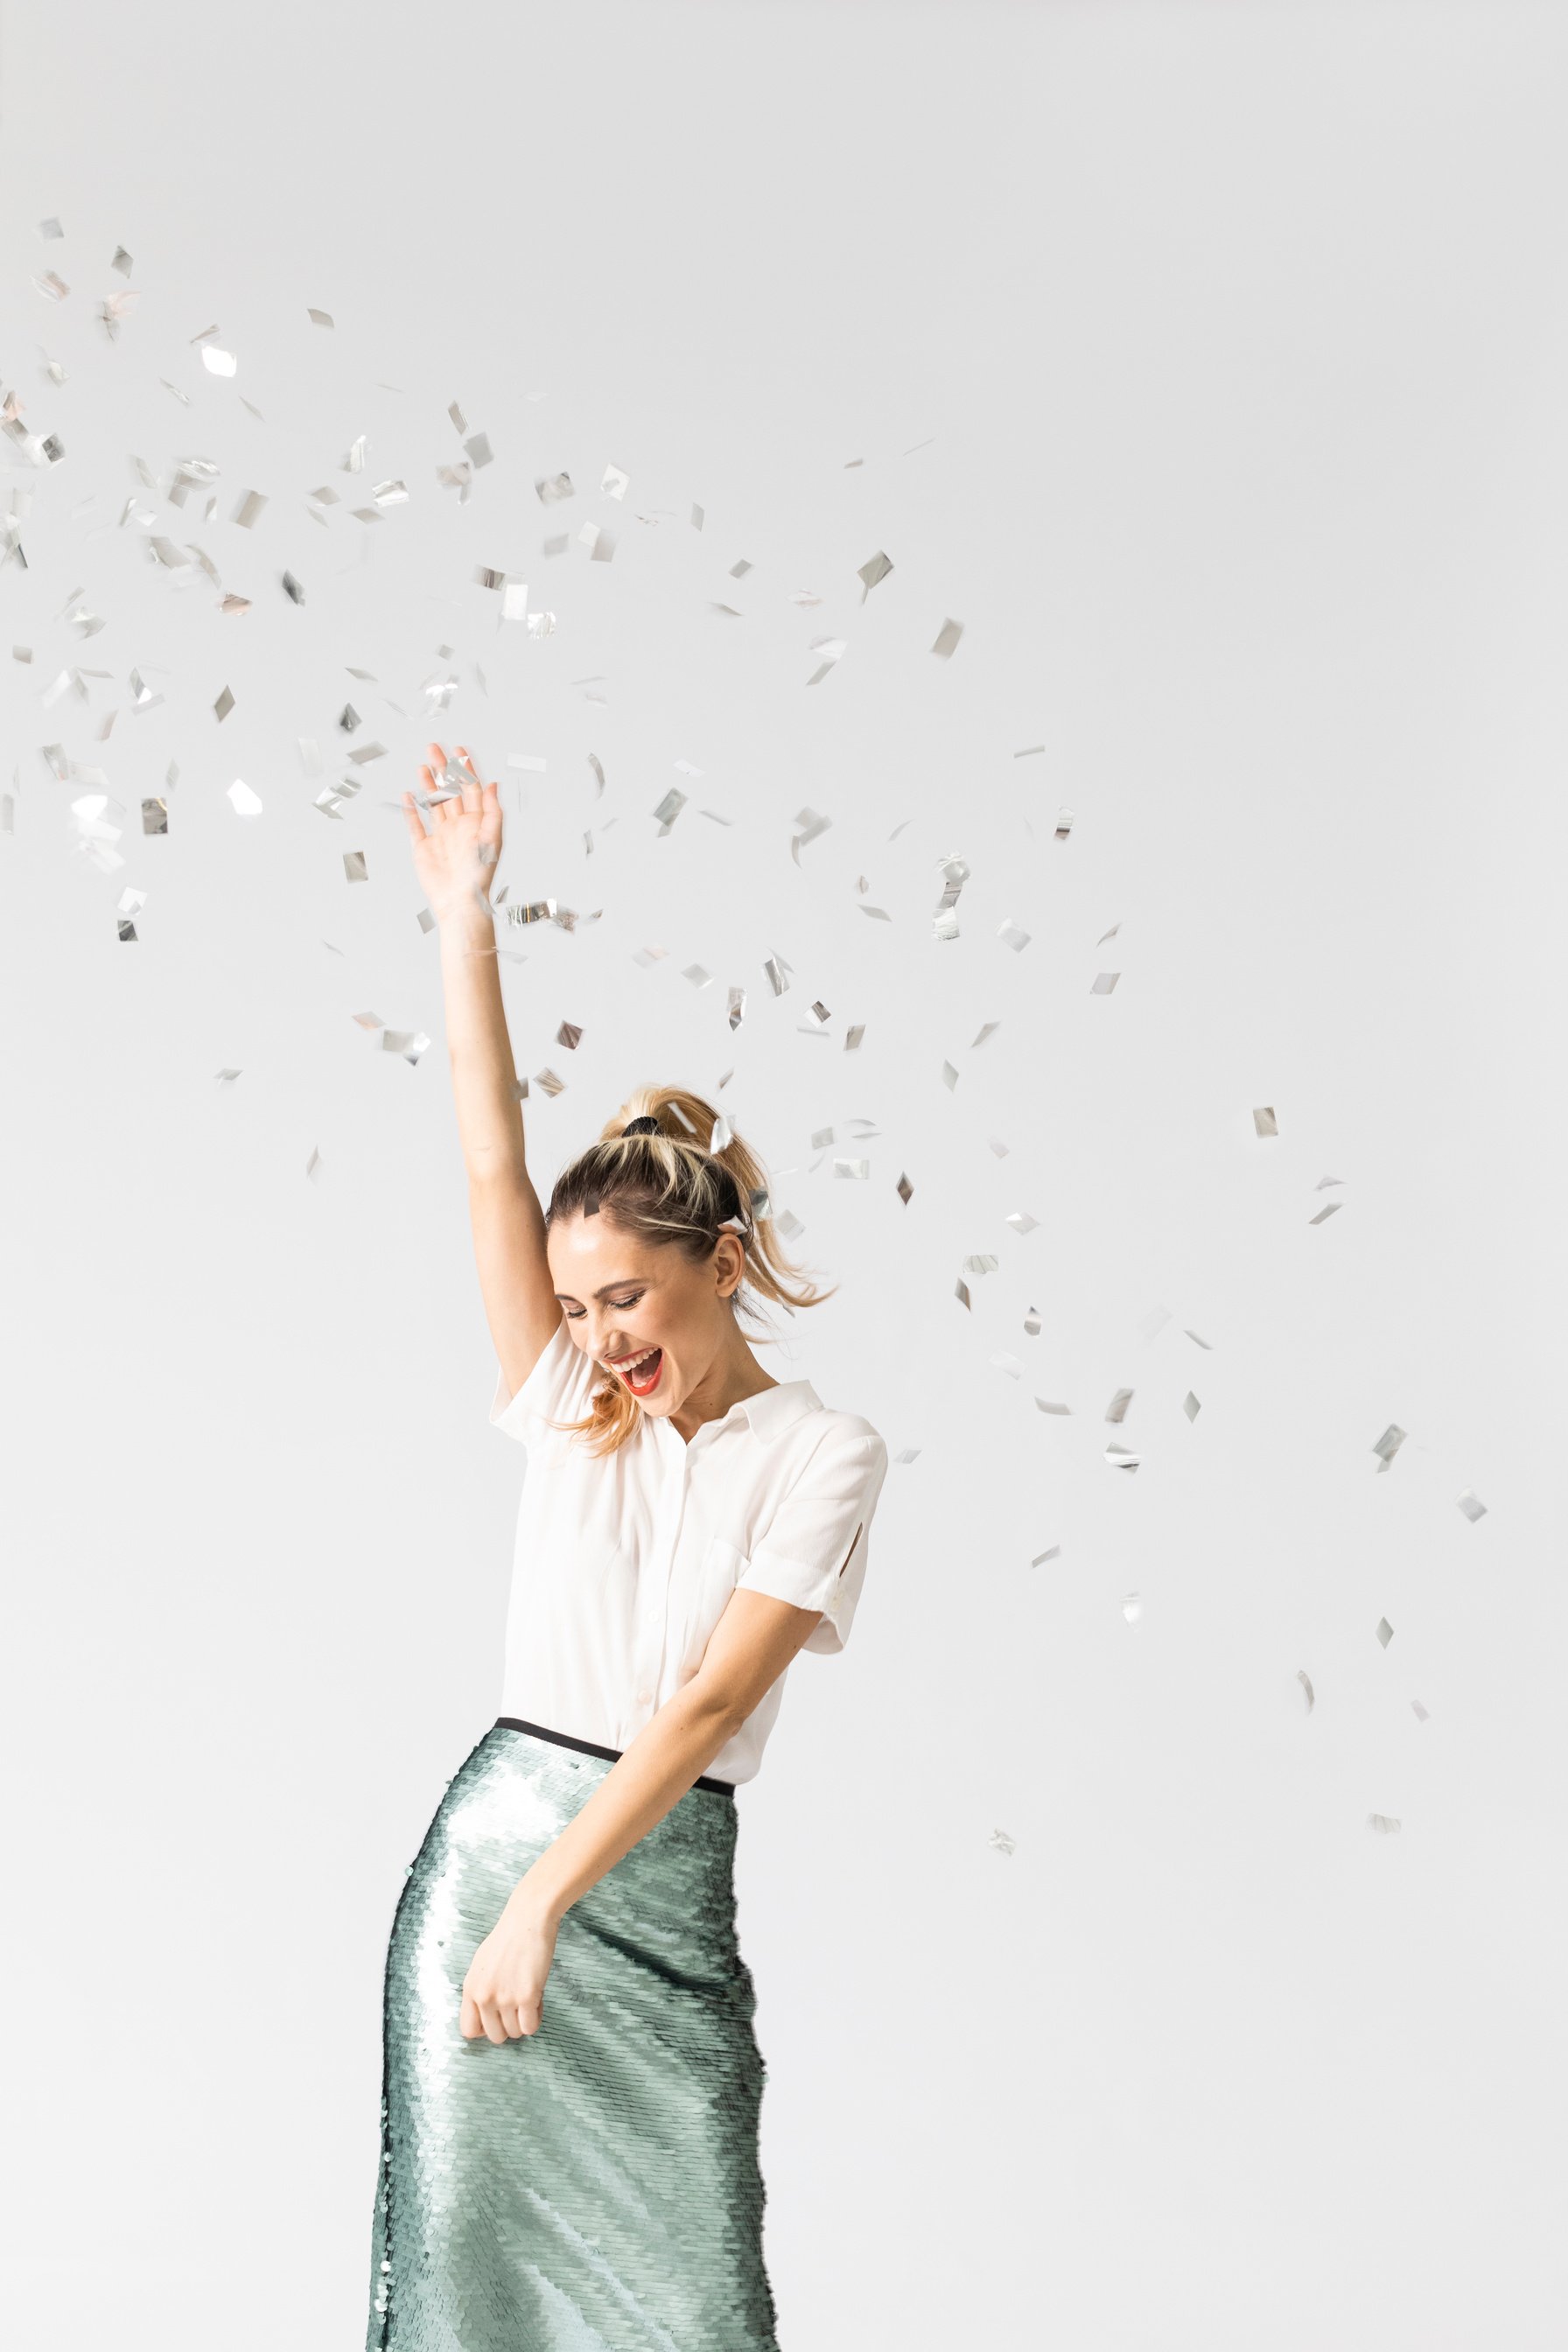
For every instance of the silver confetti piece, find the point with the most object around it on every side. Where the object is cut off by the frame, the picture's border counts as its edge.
(410, 1044)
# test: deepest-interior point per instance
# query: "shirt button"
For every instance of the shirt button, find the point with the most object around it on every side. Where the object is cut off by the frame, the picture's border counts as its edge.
(645, 1698)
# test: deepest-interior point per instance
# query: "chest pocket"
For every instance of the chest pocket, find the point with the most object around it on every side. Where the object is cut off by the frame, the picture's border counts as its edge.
(704, 1603)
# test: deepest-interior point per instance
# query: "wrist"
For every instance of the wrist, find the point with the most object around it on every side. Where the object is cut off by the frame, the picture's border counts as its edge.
(534, 1894)
(467, 921)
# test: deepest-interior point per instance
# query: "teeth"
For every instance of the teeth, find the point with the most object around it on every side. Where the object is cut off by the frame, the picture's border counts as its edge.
(635, 1363)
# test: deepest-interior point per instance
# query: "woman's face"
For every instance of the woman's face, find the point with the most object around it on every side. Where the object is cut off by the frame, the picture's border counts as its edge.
(625, 1299)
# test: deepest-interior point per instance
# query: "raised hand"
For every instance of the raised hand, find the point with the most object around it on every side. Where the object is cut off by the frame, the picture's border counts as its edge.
(456, 860)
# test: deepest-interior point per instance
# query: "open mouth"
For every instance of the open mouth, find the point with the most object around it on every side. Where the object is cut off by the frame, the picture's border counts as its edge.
(643, 1377)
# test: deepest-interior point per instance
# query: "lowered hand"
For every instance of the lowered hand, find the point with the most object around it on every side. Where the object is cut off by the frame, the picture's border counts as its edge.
(503, 1992)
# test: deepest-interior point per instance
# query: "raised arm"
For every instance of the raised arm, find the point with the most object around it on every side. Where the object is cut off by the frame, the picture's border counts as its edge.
(456, 863)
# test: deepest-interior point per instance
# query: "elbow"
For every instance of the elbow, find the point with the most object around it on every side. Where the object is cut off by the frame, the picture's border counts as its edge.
(718, 1703)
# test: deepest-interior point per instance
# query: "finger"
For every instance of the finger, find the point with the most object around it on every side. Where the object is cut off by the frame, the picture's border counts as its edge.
(494, 2029)
(415, 826)
(434, 809)
(473, 792)
(470, 2022)
(434, 771)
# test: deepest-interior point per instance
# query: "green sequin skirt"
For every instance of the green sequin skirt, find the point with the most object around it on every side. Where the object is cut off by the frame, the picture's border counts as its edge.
(592, 2186)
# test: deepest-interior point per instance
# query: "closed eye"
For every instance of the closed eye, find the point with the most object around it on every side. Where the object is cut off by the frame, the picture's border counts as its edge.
(574, 1316)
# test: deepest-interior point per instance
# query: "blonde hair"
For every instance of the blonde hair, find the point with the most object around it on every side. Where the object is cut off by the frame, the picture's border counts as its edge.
(670, 1190)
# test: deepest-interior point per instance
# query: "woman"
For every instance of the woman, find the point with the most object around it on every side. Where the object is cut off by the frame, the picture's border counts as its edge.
(573, 2084)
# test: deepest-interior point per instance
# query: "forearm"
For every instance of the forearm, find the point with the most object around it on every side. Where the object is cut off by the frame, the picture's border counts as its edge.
(489, 1119)
(663, 1761)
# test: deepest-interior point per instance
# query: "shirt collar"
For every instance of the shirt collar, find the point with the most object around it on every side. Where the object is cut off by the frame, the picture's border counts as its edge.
(773, 1411)
(768, 1413)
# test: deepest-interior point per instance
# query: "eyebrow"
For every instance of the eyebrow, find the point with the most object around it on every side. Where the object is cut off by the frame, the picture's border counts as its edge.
(632, 1281)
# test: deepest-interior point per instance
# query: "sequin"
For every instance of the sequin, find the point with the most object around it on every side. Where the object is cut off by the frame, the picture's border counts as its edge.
(593, 2187)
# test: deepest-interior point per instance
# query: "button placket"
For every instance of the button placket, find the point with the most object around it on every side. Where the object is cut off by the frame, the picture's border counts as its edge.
(653, 1617)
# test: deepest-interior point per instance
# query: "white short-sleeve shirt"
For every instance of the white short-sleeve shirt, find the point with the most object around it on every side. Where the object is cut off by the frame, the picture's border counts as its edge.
(625, 1561)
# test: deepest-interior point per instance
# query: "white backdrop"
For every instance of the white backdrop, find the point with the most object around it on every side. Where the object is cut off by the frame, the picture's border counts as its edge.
(1209, 366)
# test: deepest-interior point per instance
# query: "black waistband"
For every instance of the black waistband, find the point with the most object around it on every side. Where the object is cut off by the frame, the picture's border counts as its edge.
(593, 1747)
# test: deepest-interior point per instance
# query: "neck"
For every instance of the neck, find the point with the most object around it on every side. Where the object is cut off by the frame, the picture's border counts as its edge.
(726, 1384)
